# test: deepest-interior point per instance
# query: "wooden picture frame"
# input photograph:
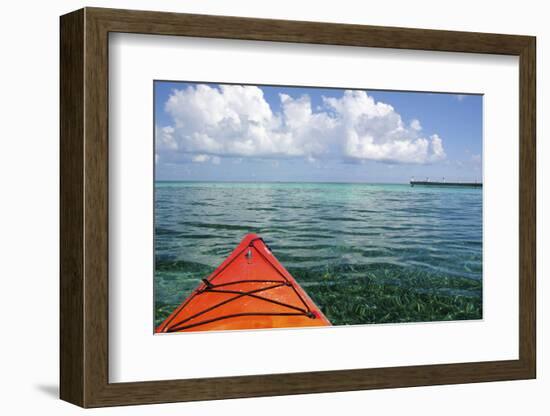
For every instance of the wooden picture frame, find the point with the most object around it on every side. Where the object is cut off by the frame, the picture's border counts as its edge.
(84, 207)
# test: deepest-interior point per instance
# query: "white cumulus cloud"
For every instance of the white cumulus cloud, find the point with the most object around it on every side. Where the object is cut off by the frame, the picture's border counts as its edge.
(415, 125)
(373, 130)
(208, 123)
(201, 158)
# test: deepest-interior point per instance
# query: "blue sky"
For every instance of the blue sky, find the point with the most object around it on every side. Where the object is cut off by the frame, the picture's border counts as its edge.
(214, 132)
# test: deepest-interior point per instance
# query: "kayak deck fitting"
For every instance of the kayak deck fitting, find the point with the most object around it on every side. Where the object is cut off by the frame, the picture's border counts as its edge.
(249, 290)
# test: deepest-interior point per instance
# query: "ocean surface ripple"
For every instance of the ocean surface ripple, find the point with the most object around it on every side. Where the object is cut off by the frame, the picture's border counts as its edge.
(321, 232)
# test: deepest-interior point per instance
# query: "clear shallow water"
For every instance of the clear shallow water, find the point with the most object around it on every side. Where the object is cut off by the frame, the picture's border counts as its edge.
(415, 253)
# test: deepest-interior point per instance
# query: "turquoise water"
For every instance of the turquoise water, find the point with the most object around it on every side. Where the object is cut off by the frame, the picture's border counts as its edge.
(366, 253)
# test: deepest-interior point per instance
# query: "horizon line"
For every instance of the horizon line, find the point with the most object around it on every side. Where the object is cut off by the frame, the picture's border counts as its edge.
(305, 181)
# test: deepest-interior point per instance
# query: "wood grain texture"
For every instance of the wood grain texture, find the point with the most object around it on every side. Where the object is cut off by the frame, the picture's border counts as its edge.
(527, 207)
(71, 185)
(96, 208)
(225, 27)
(84, 207)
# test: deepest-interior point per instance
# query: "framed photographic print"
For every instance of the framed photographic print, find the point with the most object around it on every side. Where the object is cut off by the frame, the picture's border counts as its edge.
(256, 207)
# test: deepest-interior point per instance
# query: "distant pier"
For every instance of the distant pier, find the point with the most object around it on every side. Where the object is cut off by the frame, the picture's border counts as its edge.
(447, 184)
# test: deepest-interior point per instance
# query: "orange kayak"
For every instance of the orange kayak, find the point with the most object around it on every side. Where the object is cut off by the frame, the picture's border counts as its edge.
(249, 290)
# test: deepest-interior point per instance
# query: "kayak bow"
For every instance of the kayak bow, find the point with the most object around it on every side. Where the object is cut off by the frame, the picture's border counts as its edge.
(249, 290)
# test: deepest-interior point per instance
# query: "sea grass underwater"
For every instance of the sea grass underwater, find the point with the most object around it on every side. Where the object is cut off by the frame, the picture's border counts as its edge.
(369, 300)
(388, 295)
(364, 253)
